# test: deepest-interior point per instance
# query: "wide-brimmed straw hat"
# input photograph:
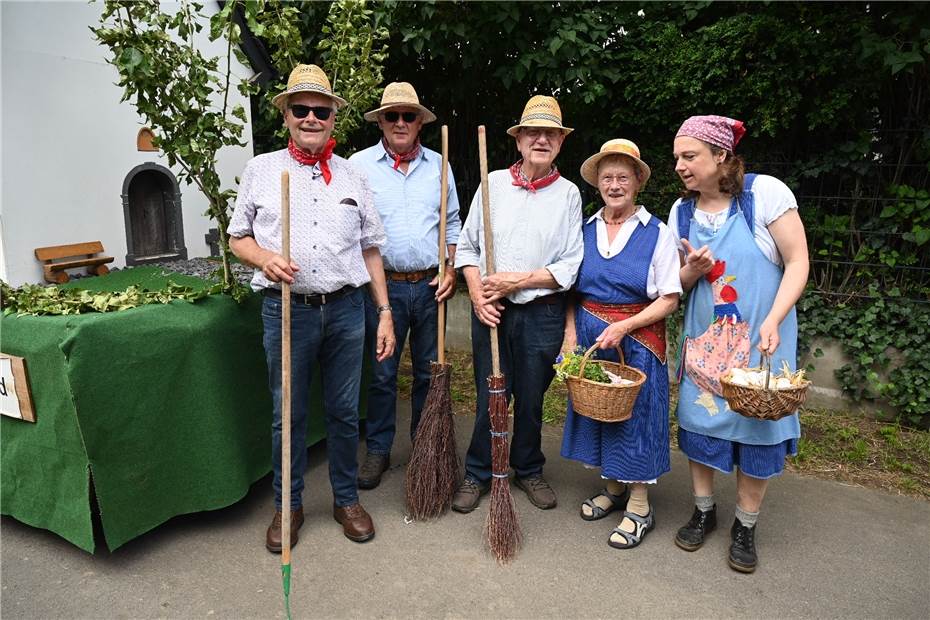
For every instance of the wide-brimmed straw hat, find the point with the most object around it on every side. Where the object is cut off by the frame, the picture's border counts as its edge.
(617, 146)
(307, 79)
(397, 95)
(541, 111)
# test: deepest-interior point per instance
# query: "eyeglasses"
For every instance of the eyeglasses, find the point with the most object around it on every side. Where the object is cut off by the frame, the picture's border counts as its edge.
(535, 132)
(408, 117)
(321, 112)
(621, 180)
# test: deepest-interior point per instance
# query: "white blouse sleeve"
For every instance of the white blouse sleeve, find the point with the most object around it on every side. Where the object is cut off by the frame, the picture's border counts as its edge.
(664, 269)
(673, 226)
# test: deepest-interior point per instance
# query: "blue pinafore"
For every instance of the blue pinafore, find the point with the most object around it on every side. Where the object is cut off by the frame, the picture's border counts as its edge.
(721, 311)
(636, 450)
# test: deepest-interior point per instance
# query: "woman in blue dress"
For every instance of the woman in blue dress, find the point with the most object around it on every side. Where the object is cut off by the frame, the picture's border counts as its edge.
(744, 260)
(627, 285)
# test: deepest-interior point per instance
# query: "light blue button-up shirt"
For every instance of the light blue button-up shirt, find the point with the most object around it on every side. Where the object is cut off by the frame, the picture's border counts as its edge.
(409, 207)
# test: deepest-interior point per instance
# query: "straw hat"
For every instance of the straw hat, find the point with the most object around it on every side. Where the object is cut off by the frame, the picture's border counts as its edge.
(396, 95)
(307, 79)
(617, 146)
(541, 111)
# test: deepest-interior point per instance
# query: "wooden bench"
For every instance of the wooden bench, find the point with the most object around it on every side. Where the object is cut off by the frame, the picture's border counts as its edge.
(67, 257)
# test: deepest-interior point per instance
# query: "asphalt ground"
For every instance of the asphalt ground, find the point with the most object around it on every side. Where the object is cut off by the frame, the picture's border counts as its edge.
(826, 550)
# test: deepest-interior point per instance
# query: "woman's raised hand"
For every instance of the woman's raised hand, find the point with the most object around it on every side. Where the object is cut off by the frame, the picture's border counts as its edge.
(701, 260)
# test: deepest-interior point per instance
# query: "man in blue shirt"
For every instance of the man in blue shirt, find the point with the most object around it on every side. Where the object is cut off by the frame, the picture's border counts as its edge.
(405, 179)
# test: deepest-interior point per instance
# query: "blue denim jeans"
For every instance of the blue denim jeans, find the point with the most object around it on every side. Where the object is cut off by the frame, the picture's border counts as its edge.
(415, 311)
(332, 335)
(530, 337)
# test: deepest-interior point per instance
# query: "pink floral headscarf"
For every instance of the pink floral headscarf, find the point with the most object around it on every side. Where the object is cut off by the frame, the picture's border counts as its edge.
(717, 130)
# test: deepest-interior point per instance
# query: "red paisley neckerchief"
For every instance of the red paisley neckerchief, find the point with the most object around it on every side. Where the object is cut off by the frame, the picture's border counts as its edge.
(309, 159)
(520, 180)
(401, 157)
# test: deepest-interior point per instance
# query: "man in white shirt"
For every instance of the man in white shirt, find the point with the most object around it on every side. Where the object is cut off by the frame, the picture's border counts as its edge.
(538, 247)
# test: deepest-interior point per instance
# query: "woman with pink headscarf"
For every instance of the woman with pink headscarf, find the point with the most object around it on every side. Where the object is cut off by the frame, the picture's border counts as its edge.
(744, 260)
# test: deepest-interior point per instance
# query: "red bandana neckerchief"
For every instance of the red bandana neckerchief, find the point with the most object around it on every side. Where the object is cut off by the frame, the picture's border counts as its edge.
(308, 159)
(520, 180)
(401, 157)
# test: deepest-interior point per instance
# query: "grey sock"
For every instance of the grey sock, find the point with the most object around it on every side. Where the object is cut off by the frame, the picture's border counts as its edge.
(704, 502)
(748, 519)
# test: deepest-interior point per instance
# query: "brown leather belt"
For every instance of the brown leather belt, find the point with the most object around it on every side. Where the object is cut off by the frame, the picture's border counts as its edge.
(311, 299)
(411, 276)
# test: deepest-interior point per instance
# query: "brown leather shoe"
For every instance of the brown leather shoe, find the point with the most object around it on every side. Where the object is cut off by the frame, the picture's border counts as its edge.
(369, 474)
(273, 536)
(538, 490)
(468, 495)
(356, 523)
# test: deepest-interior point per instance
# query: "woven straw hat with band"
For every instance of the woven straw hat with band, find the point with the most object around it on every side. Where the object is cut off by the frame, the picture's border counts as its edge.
(307, 79)
(541, 111)
(617, 146)
(396, 95)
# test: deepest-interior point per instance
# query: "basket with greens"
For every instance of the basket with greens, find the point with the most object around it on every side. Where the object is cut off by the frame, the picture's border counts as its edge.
(601, 390)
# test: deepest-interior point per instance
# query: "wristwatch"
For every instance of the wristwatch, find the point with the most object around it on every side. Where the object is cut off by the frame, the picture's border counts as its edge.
(384, 308)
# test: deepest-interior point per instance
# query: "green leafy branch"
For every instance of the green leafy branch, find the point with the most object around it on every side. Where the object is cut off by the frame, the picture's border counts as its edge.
(353, 50)
(182, 94)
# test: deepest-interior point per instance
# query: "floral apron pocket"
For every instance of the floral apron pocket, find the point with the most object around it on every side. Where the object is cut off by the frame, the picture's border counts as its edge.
(723, 346)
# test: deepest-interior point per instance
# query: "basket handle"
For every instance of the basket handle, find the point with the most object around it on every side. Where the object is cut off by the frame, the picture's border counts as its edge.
(767, 365)
(592, 349)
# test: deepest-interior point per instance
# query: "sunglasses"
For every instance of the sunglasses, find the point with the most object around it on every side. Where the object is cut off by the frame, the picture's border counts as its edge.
(321, 112)
(392, 117)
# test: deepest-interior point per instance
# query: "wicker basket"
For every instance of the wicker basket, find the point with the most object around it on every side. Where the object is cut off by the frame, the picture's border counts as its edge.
(605, 402)
(762, 403)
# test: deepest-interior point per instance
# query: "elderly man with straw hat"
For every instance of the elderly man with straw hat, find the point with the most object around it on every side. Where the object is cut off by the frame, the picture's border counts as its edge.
(336, 236)
(405, 179)
(538, 247)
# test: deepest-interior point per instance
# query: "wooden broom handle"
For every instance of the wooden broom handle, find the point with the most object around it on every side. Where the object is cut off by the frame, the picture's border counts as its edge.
(285, 374)
(488, 238)
(443, 214)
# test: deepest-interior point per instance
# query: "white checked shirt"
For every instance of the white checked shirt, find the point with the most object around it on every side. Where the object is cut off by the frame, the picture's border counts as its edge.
(330, 224)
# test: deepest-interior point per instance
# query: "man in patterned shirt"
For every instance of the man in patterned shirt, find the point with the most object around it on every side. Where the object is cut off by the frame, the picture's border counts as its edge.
(405, 179)
(336, 235)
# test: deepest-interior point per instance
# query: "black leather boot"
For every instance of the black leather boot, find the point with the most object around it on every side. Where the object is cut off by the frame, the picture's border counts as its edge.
(691, 536)
(743, 550)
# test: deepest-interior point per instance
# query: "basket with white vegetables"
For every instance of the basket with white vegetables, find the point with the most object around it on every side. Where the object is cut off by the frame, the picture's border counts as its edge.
(761, 394)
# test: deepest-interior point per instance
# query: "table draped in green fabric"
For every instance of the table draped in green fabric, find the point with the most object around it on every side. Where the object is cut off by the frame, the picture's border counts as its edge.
(160, 410)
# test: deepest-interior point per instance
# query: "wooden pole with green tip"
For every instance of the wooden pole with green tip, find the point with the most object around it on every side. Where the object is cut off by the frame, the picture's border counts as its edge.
(286, 395)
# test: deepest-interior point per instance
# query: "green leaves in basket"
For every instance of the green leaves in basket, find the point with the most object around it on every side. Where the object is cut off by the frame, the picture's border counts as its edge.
(569, 365)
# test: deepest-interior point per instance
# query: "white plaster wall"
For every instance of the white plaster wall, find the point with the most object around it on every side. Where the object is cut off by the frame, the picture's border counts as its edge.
(68, 143)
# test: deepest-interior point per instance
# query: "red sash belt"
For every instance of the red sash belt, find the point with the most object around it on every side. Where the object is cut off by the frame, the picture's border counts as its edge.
(651, 336)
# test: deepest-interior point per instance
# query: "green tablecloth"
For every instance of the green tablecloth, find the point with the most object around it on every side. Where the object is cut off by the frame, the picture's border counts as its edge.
(165, 408)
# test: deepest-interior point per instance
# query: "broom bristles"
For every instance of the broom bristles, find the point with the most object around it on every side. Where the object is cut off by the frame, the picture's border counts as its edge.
(434, 470)
(503, 528)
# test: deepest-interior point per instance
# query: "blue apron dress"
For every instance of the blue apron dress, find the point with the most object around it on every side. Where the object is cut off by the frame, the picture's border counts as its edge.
(636, 450)
(733, 305)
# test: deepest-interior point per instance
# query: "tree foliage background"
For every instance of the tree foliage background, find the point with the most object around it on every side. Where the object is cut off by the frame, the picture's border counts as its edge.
(834, 97)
